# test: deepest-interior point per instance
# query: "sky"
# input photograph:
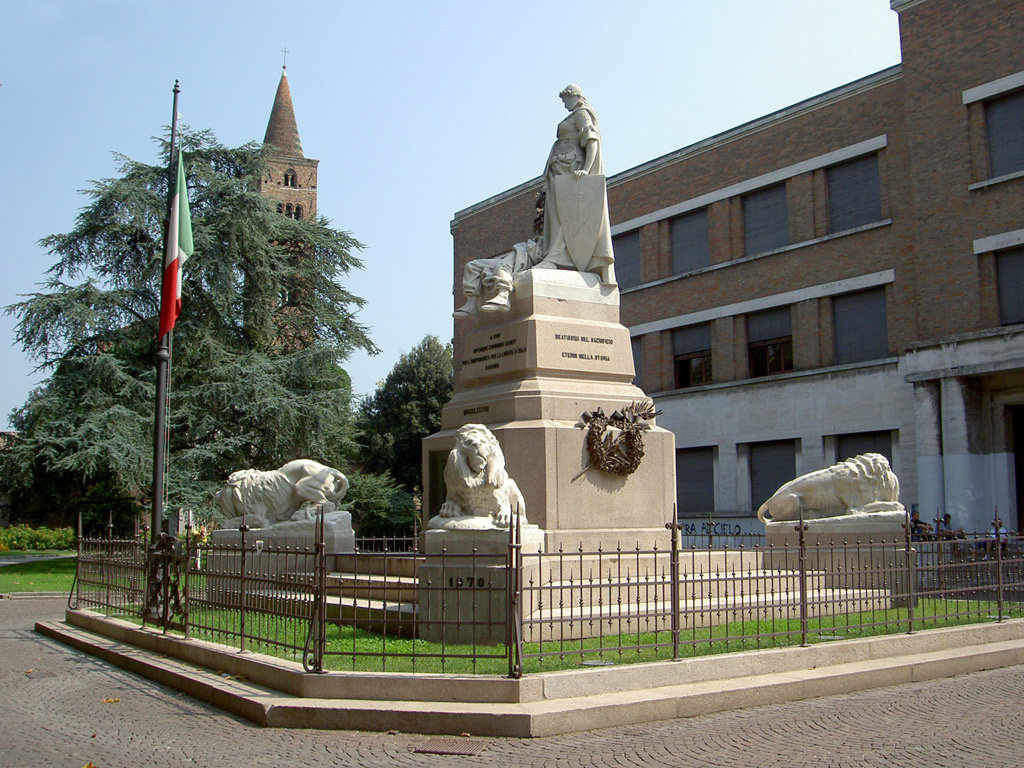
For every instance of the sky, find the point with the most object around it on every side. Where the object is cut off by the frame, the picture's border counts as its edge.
(415, 110)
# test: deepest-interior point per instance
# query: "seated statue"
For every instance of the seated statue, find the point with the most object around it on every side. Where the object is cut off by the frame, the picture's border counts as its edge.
(477, 482)
(488, 283)
(571, 226)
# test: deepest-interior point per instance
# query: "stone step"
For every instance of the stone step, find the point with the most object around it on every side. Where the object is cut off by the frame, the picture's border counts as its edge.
(373, 586)
(547, 704)
(691, 585)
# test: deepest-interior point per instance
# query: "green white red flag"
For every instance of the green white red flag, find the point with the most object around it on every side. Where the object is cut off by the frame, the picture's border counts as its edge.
(178, 249)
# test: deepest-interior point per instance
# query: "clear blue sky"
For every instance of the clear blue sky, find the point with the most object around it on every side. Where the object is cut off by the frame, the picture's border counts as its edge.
(414, 109)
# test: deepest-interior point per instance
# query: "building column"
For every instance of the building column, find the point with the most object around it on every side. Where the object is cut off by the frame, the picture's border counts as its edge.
(743, 500)
(726, 477)
(928, 429)
(968, 491)
(810, 454)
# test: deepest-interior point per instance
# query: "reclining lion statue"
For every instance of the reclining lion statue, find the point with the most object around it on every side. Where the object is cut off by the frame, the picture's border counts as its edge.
(857, 490)
(478, 484)
(291, 492)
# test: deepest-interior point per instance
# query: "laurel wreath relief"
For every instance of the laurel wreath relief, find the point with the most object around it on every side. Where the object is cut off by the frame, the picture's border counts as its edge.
(615, 443)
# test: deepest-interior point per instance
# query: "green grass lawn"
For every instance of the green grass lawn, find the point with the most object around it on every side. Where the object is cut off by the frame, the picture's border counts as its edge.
(350, 648)
(33, 552)
(39, 576)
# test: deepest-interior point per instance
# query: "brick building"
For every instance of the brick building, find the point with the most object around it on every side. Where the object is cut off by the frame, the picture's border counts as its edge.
(843, 275)
(291, 176)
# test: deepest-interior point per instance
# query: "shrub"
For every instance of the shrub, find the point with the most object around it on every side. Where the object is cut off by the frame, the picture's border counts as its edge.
(23, 537)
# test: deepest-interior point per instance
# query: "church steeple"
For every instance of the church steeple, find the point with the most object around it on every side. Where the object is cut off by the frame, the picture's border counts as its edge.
(290, 177)
(282, 130)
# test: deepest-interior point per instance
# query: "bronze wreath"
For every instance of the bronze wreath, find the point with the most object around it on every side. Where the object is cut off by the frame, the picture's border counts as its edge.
(621, 453)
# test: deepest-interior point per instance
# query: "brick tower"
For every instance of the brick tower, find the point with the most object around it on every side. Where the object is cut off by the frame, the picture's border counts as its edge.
(290, 178)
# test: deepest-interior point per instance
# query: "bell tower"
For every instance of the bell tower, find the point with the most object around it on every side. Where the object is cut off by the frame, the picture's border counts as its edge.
(290, 177)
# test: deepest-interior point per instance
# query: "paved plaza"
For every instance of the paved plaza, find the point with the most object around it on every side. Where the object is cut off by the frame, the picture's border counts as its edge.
(55, 715)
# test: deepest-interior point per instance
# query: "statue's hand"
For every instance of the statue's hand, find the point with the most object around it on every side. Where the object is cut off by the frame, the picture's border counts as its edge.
(579, 174)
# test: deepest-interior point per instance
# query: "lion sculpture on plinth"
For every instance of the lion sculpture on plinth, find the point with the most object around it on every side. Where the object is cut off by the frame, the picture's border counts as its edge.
(863, 487)
(291, 492)
(478, 484)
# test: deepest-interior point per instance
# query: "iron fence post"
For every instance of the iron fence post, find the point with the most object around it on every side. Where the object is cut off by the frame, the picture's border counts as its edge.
(909, 560)
(997, 524)
(673, 528)
(321, 598)
(188, 568)
(109, 569)
(801, 528)
(241, 585)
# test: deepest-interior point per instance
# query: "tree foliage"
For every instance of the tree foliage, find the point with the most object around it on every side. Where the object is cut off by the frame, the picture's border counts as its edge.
(406, 408)
(265, 327)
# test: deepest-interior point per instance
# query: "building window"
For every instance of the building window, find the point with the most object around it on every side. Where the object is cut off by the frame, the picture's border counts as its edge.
(691, 355)
(1004, 123)
(288, 210)
(636, 343)
(298, 211)
(629, 263)
(853, 194)
(689, 238)
(695, 482)
(290, 179)
(770, 342)
(765, 220)
(771, 465)
(860, 327)
(848, 446)
(1010, 281)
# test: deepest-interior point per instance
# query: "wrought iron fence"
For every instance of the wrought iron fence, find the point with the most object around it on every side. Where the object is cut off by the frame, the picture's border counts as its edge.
(512, 611)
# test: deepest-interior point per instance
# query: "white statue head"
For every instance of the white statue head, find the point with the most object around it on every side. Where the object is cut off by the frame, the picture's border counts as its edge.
(572, 95)
(479, 456)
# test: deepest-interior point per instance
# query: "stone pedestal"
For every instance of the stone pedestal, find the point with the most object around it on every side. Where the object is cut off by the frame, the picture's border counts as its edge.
(528, 375)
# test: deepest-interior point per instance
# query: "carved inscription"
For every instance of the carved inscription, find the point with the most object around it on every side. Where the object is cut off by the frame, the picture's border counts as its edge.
(595, 348)
(495, 353)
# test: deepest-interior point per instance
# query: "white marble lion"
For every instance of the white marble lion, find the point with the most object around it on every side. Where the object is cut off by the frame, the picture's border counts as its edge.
(477, 482)
(290, 492)
(853, 488)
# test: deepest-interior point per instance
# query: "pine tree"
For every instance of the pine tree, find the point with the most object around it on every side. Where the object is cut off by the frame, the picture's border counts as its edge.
(266, 324)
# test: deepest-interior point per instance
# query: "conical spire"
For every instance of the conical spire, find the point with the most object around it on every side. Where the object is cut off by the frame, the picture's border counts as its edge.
(282, 130)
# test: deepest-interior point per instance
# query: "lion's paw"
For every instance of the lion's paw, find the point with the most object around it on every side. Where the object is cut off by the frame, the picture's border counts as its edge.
(503, 517)
(450, 509)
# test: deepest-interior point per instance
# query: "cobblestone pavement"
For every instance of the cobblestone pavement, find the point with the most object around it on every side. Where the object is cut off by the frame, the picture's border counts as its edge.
(54, 715)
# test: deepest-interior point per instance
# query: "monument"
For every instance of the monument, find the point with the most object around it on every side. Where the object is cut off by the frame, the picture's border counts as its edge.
(538, 345)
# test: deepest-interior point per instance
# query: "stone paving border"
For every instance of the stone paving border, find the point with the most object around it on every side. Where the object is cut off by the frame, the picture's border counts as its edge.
(562, 715)
(53, 716)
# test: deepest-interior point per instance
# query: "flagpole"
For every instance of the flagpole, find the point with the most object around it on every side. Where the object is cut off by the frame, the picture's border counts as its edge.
(163, 353)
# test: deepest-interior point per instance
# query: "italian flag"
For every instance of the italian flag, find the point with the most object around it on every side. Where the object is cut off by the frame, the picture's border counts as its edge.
(179, 248)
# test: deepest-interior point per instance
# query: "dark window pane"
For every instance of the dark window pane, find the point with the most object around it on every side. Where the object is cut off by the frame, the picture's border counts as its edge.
(770, 324)
(1004, 122)
(771, 357)
(853, 197)
(849, 446)
(693, 338)
(689, 236)
(692, 370)
(629, 265)
(695, 482)
(638, 359)
(765, 220)
(860, 327)
(771, 465)
(1010, 279)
